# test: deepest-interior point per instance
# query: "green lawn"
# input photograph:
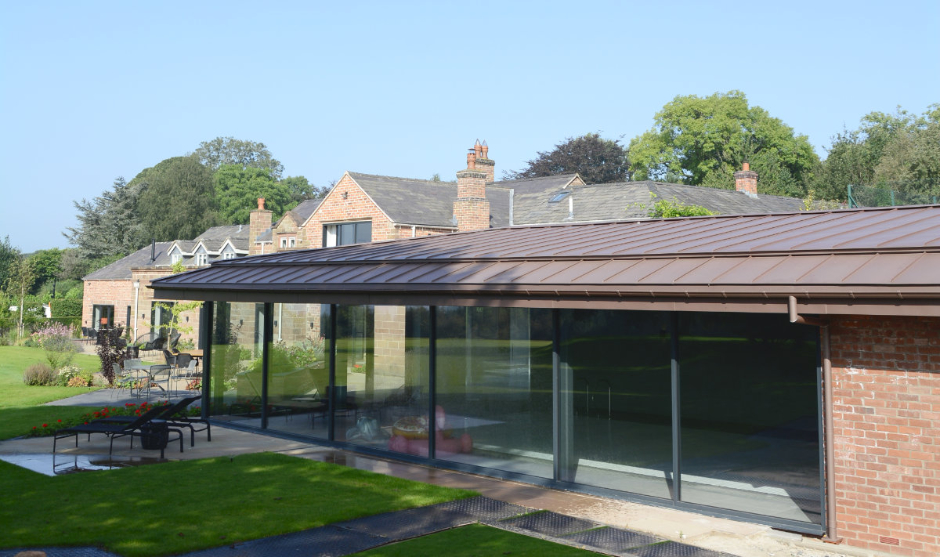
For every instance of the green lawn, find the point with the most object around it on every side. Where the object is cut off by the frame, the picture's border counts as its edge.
(175, 507)
(20, 404)
(475, 540)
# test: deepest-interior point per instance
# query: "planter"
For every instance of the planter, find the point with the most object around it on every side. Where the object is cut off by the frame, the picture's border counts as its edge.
(155, 435)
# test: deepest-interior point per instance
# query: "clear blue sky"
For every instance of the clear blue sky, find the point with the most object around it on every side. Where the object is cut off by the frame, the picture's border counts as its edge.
(94, 90)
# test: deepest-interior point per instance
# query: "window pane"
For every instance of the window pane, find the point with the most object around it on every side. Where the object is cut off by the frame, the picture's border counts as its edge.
(382, 377)
(494, 388)
(750, 437)
(363, 232)
(616, 404)
(235, 362)
(299, 370)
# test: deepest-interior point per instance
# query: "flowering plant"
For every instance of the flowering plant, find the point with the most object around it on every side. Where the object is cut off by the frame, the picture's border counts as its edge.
(194, 385)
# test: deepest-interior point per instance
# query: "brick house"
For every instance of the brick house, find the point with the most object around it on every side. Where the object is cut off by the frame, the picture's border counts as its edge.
(119, 294)
(370, 208)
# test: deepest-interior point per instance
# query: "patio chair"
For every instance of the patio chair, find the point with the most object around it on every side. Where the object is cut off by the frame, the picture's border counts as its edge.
(125, 379)
(173, 414)
(158, 373)
(170, 358)
(136, 428)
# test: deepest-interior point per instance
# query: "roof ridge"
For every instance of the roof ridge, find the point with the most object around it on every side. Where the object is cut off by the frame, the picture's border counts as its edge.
(399, 178)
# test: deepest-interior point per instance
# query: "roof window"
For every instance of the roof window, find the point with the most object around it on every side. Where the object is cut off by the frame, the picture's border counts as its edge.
(559, 196)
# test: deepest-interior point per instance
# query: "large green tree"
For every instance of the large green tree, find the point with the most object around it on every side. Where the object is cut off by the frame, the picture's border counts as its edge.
(704, 140)
(177, 199)
(899, 151)
(237, 189)
(46, 265)
(596, 159)
(8, 256)
(223, 151)
(109, 225)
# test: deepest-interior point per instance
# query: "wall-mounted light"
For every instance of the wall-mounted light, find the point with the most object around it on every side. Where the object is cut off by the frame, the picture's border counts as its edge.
(345, 195)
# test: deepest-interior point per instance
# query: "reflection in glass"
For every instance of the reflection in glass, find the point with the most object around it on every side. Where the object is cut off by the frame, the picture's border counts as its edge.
(750, 419)
(235, 362)
(494, 388)
(616, 400)
(382, 377)
(299, 370)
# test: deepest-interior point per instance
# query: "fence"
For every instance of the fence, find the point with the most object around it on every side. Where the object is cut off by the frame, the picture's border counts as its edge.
(868, 196)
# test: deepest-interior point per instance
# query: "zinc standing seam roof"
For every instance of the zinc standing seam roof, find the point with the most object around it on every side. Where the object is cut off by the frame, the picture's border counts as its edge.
(891, 253)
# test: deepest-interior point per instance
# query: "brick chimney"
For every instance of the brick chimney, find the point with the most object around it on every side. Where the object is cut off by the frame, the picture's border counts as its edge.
(471, 209)
(745, 180)
(483, 162)
(259, 220)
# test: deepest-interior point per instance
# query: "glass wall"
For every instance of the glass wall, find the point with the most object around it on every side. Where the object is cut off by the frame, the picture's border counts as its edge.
(382, 377)
(616, 405)
(299, 369)
(494, 388)
(747, 386)
(750, 419)
(235, 350)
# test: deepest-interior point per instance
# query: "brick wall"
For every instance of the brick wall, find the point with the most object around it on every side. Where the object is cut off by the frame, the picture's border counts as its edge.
(886, 381)
(120, 294)
(357, 206)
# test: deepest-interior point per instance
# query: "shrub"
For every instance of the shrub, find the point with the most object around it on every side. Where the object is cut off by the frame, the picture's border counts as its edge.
(56, 339)
(78, 381)
(66, 307)
(39, 374)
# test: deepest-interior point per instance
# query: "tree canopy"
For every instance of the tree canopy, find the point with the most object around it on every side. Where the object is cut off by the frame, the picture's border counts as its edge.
(223, 151)
(108, 225)
(177, 199)
(703, 141)
(596, 159)
(899, 151)
(237, 189)
(8, 256)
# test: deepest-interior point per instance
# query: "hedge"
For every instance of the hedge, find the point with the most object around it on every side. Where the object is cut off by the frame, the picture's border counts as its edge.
(66, 307)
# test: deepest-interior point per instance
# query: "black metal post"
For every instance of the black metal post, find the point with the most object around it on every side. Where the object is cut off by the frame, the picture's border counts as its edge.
(267, 339)
(205, 340)
(676, 413)
(432, 381)
(331, 402)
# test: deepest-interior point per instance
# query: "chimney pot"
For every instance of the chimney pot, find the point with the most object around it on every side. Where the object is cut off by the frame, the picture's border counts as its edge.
(472, 159)
(261, 204)
(746, 167)
(486, 150)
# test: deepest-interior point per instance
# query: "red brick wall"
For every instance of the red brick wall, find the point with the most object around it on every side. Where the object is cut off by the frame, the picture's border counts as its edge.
(356, 207)
(886, 381)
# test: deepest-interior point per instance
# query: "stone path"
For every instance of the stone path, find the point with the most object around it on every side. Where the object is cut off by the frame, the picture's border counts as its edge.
(345, 538)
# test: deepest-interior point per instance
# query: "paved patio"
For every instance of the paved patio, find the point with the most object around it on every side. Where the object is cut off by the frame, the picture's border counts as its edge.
(715, 534)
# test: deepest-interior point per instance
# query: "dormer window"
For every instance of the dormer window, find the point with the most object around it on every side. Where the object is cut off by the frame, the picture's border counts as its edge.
(202, 259)
(228, 255)
(176, 258)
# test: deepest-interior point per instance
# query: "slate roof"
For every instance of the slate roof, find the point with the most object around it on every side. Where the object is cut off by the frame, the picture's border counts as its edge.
(305, 209)
(423, 202)
(632, 200)
(213, 238)
(121, 269)
(216, 236)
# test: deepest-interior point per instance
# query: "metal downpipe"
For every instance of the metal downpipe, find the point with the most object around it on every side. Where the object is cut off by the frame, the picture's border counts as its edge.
(832, 531)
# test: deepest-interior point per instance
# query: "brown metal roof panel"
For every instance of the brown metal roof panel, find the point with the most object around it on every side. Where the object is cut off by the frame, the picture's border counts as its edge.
(712, 270)
(420, 272)
(882, 268)
(544, 272)
(835, 269)
(575, 274)
(677, 271)
(502, 272)
(863, 231)
(927, 236)
(790, 270)
(458, 276)
(925, 270)
(637, 272)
